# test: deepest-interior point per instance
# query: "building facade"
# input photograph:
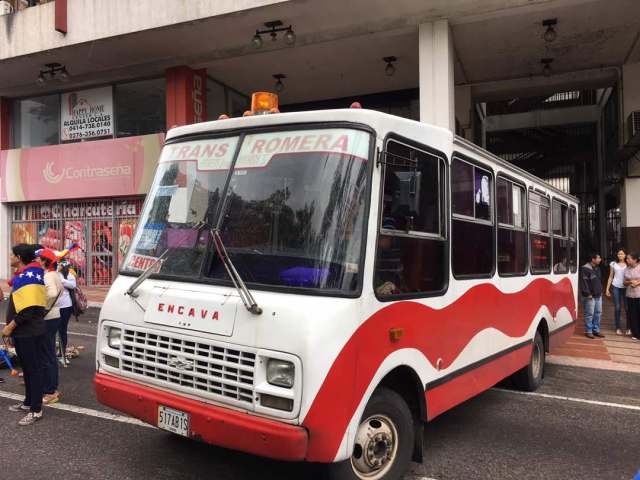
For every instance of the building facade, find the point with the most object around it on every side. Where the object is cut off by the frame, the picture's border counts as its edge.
(89, 87)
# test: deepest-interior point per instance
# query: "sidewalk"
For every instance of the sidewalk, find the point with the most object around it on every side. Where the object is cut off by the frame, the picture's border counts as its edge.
(614, 352)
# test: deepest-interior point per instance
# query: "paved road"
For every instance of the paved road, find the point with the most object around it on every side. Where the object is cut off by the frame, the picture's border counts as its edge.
(498, 435)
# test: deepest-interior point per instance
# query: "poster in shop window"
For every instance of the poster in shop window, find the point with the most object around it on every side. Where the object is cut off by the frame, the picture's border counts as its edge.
(102, 252)
(23, 233)
(74, 233)
(86, 114)
(125, 234)
(49, 236)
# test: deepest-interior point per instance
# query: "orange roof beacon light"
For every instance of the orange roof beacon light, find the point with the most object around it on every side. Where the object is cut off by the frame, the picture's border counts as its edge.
(263, 103)
(356, 105)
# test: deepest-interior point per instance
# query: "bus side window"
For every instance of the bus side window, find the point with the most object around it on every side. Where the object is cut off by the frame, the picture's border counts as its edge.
(411, 249)
(512, 231)
(561, 248)
(573, 242)
(472, 233)
(539, 233)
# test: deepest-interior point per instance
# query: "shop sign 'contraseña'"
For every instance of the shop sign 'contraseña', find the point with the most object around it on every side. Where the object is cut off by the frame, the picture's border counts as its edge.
(70, 173)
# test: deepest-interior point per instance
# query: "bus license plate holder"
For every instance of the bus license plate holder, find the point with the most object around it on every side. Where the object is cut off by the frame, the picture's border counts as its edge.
(174, 421)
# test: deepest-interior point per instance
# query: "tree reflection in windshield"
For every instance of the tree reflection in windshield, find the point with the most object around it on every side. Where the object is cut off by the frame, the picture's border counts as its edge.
(297, 222)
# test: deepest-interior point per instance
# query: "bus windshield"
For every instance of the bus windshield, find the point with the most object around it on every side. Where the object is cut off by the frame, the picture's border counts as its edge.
(290, 206)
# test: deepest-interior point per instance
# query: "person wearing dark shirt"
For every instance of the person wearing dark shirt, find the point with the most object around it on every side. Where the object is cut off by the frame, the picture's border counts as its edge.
(591, 290)
(25, 325)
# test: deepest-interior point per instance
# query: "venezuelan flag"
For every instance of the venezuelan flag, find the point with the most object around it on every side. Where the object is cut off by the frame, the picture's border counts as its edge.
(28, 289)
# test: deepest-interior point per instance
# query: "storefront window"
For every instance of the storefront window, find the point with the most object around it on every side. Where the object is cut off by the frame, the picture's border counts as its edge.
(102, 229)
(36, 121)
(216, 99)
(140, 107)
(237, 103)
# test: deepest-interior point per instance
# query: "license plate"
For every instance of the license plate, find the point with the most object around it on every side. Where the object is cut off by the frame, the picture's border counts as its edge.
(173, 420)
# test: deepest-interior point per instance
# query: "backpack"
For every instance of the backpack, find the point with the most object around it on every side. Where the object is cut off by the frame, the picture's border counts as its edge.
(79, 301)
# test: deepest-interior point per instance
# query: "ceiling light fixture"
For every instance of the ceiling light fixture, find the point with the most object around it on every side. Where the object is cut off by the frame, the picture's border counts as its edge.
(546, 69)
(273, 28)
(52, 70)
(390, 69)
(550, 33)
(279, 85)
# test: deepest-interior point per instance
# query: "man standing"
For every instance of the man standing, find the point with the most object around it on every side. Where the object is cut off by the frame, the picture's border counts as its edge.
(591, 290)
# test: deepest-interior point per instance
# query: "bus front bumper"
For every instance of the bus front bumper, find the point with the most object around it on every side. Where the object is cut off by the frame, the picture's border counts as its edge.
(208, 423)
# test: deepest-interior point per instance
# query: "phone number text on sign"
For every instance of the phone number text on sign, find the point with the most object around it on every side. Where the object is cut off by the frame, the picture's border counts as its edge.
(88, 129)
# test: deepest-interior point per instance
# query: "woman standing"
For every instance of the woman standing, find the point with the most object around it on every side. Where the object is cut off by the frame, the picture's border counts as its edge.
(54, 291)
(68, 280)
(615, 285)
(25, 323)
(632, 282)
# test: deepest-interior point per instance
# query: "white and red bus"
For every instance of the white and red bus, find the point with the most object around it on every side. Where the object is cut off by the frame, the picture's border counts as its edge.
(317, 285)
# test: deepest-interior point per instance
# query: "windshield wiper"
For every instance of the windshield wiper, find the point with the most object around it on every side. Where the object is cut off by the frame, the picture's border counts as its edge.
(244, 293)
(131, 291)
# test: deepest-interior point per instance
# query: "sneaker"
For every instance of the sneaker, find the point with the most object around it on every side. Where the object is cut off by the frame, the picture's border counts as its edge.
(30, 418)
(588, 335)
(619, 332)
(19, 407)
(634, 338)
(598, 334)
(628, 333)
(51, 398)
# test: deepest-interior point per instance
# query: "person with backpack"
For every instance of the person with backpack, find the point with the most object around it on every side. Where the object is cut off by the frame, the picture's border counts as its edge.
(54, 291)
(25, 325)
(69, 283)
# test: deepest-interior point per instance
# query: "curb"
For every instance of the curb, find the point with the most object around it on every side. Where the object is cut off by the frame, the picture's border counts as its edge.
(591, 363)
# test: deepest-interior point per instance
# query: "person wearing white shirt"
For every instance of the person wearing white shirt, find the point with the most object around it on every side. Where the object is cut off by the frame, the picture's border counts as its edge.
(615, 286)
(65, 303)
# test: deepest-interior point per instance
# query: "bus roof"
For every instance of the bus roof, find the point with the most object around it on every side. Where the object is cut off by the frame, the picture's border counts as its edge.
(378, 121)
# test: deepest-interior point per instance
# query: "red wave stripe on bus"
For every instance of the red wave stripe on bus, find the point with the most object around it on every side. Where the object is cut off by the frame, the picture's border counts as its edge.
(436, 333)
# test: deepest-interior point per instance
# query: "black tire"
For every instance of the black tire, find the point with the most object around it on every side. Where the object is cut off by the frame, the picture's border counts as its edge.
(388, 406)
(530, 377)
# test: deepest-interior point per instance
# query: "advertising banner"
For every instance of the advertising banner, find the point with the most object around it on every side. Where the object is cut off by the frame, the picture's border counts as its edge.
(102, 168)
(86, 114)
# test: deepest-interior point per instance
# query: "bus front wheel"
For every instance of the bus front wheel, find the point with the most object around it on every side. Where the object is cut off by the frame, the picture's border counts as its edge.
(384, 441)
(530, 377)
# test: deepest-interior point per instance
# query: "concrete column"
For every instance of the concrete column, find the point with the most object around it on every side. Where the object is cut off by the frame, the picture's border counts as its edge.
(464, 111)
(631, 214)
(5, 123)
(631, 189)
(5, 144)
(5, 241)
(186, 96)
(437, 92)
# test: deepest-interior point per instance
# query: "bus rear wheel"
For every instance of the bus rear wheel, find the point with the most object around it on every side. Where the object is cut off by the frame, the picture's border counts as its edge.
(530, 377)
(384, 441)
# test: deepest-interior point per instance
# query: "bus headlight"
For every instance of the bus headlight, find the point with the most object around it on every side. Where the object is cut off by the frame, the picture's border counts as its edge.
(280, 373)
(114, 337)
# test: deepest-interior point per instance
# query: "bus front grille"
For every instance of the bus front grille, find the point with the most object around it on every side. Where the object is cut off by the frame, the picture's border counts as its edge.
(205, 368)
